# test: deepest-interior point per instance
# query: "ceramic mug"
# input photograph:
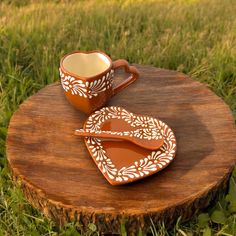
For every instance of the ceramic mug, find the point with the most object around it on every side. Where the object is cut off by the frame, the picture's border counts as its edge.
(87, 77)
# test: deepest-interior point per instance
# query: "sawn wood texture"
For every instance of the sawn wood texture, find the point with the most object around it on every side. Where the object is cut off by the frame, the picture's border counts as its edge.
(59, 177)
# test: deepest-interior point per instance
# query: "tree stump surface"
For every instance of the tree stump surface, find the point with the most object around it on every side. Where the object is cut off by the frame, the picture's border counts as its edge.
(58, 176)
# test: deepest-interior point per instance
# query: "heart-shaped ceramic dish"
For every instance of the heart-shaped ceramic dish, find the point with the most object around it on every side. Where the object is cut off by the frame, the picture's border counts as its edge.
(123, 162)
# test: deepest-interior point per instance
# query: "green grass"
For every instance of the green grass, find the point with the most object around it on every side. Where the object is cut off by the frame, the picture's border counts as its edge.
(194, 37)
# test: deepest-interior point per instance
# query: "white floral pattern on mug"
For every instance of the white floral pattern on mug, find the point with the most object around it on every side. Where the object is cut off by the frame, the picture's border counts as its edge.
(86, 89)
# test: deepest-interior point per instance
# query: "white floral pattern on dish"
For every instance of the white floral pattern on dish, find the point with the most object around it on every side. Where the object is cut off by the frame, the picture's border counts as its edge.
(152, 163)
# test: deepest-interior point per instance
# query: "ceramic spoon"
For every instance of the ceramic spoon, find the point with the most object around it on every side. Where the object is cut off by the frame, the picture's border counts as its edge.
(147, 138)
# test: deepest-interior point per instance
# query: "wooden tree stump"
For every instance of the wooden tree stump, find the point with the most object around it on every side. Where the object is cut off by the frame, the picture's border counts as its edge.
(59, 177)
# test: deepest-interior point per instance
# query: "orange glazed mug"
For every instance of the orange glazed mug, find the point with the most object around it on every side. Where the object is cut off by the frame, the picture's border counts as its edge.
(87, 78)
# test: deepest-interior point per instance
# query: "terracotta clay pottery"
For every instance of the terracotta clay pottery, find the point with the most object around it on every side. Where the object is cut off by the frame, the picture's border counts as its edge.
(87, 78)
(146, 138)
(123, 162)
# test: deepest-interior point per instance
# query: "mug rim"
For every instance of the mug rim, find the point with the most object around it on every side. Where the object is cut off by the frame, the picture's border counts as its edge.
(85, 52)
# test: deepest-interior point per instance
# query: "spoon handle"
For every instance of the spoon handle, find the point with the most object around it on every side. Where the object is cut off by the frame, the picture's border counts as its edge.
(103, 134)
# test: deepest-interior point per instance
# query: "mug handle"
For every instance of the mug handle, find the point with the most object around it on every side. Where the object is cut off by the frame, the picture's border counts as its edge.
(129, 69)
